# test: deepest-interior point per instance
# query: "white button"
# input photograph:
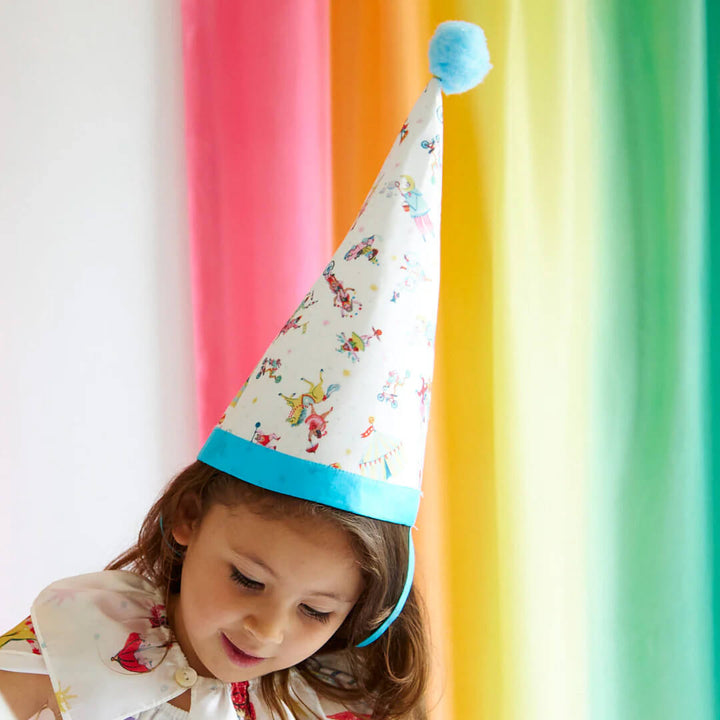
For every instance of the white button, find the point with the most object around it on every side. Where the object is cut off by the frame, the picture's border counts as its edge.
(185, 677)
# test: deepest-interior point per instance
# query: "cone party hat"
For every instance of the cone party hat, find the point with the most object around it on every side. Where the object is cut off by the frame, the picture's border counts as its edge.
(336, 411)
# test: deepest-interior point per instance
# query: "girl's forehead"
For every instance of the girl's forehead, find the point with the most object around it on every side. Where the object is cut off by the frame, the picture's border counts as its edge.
(249, 525)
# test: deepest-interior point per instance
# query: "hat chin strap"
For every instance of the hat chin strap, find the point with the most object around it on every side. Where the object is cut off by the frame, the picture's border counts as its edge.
(403, 595)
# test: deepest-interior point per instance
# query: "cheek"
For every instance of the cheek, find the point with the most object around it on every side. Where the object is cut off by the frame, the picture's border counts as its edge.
(309, 640)
(208, 597)
(315, 634)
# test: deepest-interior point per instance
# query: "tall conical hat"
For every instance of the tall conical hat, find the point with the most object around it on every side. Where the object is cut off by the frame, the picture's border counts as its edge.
(336, 411)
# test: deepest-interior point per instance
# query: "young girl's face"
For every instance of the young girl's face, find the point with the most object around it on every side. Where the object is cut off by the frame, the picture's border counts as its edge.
(260, 594)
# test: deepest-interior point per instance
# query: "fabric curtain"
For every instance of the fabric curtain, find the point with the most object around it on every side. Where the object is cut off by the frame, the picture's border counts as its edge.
(258, 149)
(568, 532)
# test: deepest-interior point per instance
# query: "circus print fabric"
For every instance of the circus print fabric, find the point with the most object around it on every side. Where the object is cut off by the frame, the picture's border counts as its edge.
(104, 640)
(347, 381)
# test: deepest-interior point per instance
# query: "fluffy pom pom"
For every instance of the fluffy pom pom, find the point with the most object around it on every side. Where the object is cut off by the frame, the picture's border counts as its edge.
(459, 56)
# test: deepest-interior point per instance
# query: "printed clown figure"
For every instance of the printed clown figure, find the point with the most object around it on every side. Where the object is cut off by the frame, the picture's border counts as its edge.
(267, 439)
(414, 203)
(317, 427)
(343, 297)
(431, 145)
(363, 249)
(390, 391)
(270, 367)
(424, 394)
(307, 302)
(313, 396)
(355, 344)
(294, 324)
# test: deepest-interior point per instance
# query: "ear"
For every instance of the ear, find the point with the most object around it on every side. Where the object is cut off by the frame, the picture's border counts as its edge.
(182, 533)
(187, 521)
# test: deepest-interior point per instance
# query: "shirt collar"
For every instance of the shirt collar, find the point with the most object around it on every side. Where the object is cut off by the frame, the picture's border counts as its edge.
(110, 653)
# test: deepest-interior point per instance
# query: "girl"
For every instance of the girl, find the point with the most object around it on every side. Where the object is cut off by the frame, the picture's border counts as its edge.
(252, 583)
(274, 580)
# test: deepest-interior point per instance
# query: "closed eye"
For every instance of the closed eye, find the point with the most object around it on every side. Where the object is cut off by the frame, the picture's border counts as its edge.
(316, 614)
(251, 584)
(245, 581)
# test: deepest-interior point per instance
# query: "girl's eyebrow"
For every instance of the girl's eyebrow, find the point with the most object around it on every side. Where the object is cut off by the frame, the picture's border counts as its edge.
(332, 596)
(257, 561)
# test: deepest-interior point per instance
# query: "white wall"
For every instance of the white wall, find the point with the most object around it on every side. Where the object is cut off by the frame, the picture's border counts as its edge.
(97, 407)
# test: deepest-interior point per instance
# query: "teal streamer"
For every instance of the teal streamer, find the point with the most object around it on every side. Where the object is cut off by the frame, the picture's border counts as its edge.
(650, 618)
(712, 285)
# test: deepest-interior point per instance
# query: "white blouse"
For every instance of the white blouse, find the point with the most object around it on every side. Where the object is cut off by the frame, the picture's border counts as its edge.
(104, 640)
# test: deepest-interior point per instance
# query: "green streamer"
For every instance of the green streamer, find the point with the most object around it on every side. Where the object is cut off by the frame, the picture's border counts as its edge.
(712, 395)
(650, 650)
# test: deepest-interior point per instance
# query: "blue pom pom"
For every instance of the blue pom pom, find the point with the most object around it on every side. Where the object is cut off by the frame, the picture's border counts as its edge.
(459, 56)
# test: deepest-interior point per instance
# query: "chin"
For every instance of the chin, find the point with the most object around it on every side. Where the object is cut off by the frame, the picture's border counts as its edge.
(234, 675)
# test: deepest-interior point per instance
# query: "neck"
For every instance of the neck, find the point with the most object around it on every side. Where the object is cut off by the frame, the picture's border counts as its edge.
(175, 619)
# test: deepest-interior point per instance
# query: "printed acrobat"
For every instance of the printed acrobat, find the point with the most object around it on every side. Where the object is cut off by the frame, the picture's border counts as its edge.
(343, 297)
(364, 249)
(356, 344)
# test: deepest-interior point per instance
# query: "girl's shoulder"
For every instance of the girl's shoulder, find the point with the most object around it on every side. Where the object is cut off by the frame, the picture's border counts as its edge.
(74, 612)
(87, 635)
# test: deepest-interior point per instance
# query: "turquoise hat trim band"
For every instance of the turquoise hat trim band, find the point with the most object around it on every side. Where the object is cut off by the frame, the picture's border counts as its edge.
(403, 596)
(289, 475)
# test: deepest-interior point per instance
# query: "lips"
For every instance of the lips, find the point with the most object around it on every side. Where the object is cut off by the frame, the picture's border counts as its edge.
(238, 656)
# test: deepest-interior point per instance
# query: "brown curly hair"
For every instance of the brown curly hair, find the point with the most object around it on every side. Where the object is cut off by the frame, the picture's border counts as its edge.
(391, 674)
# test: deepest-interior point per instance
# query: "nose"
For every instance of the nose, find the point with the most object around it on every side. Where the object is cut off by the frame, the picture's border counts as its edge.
(266, 624)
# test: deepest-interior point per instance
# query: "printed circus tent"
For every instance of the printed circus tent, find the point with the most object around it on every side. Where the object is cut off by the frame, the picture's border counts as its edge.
(383, 458)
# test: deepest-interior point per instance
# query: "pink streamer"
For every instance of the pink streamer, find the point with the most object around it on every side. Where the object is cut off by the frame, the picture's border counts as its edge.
(259, 177)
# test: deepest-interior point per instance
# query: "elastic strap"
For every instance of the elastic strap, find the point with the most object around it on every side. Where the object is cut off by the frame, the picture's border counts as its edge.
(165, 540)
(403, 595)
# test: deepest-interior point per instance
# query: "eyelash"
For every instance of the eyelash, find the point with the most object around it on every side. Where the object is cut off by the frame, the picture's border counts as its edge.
(322, 617)
(246, 582)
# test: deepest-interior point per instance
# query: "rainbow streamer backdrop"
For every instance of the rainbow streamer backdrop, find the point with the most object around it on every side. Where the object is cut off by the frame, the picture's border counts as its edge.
(568, 533)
